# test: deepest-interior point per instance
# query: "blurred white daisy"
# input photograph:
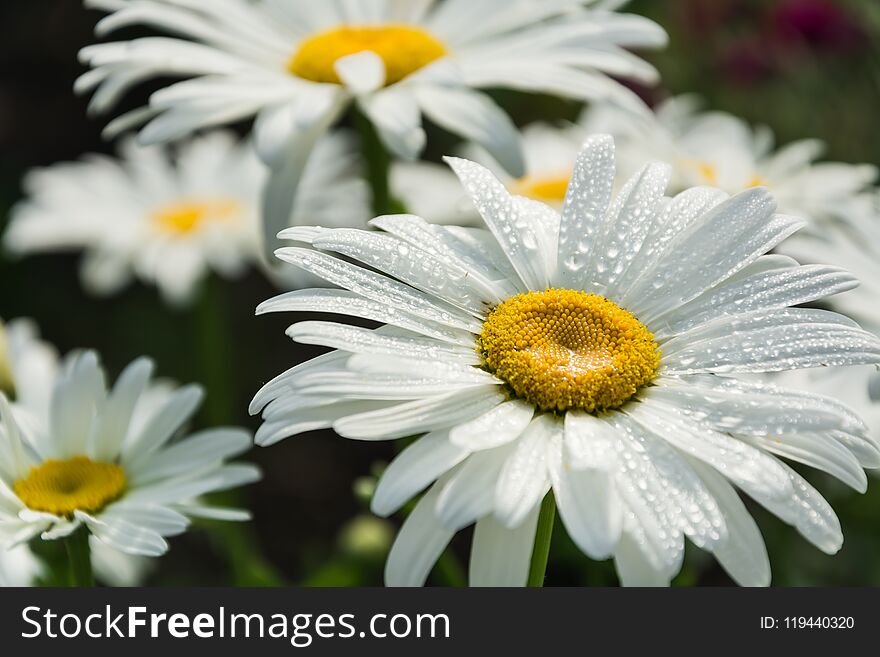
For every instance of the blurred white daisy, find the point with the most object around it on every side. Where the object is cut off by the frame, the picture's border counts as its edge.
(171, 218)
(297, 65)
(95, 461)
(597, 354)
(721, 150)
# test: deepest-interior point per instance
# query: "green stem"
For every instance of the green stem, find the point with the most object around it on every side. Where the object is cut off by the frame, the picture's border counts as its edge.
(79, 558)
(213, 347)
(543, 537)
(378, 164)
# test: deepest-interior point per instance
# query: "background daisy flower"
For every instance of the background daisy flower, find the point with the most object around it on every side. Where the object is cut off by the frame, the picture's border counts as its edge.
(170, 218)
(297, 65)
(97, 464)
(599, 354)
(721, 150)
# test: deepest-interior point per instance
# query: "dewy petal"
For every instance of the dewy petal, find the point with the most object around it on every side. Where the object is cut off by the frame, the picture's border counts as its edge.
(719, 244)
(806, 510)
(517, 232)
(414, 469)
(763, 290)
(590, 441)
(749, 468)
(690, 507)
(772, 341)
(432, 274)
(634, 567)
(817, 451)
(499, 426)
(469, 492)
(342, 302)
(620, 237)
(743, 553)
(501, 556)
(377, 288)
(757, 410)
(587, 501)
(418, 545)
(420, 416)
(358, 340)
(586, 202)
(524, 480)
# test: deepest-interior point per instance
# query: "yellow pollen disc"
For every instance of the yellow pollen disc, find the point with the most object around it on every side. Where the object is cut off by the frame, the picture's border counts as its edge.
(548, 189)
(403, 48)
(77, 484)
(187, 217)
(7, 382)
(563, 350)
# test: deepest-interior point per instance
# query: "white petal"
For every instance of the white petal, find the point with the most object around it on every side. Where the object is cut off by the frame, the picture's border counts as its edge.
(362, 72)
(418, 545)
(586, 201)
(588, 506)
(743, 553)
(634, 568)
(502, 556)
(524, 480)
(476, 117)
(499, 426)
(164, 423)
(419, 416)
(469, 492)
(397, 119)
(413, 470)
(114, 422)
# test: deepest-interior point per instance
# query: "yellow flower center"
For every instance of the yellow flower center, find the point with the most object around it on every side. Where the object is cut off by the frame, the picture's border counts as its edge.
(548, 189)
(403, 48)
(708, 173)
(563, 349)
(7, 382)
(77, 484)
(757, 181)
(187, 217)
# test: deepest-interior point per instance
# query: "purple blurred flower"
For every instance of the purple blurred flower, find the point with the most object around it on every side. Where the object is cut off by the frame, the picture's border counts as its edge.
(820, 24)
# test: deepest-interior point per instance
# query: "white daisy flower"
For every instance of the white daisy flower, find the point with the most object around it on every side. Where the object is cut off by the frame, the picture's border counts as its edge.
(28, 369)
(296, 65)
(597, 354)
(96, 462)
(721, 150)
(171, 218)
